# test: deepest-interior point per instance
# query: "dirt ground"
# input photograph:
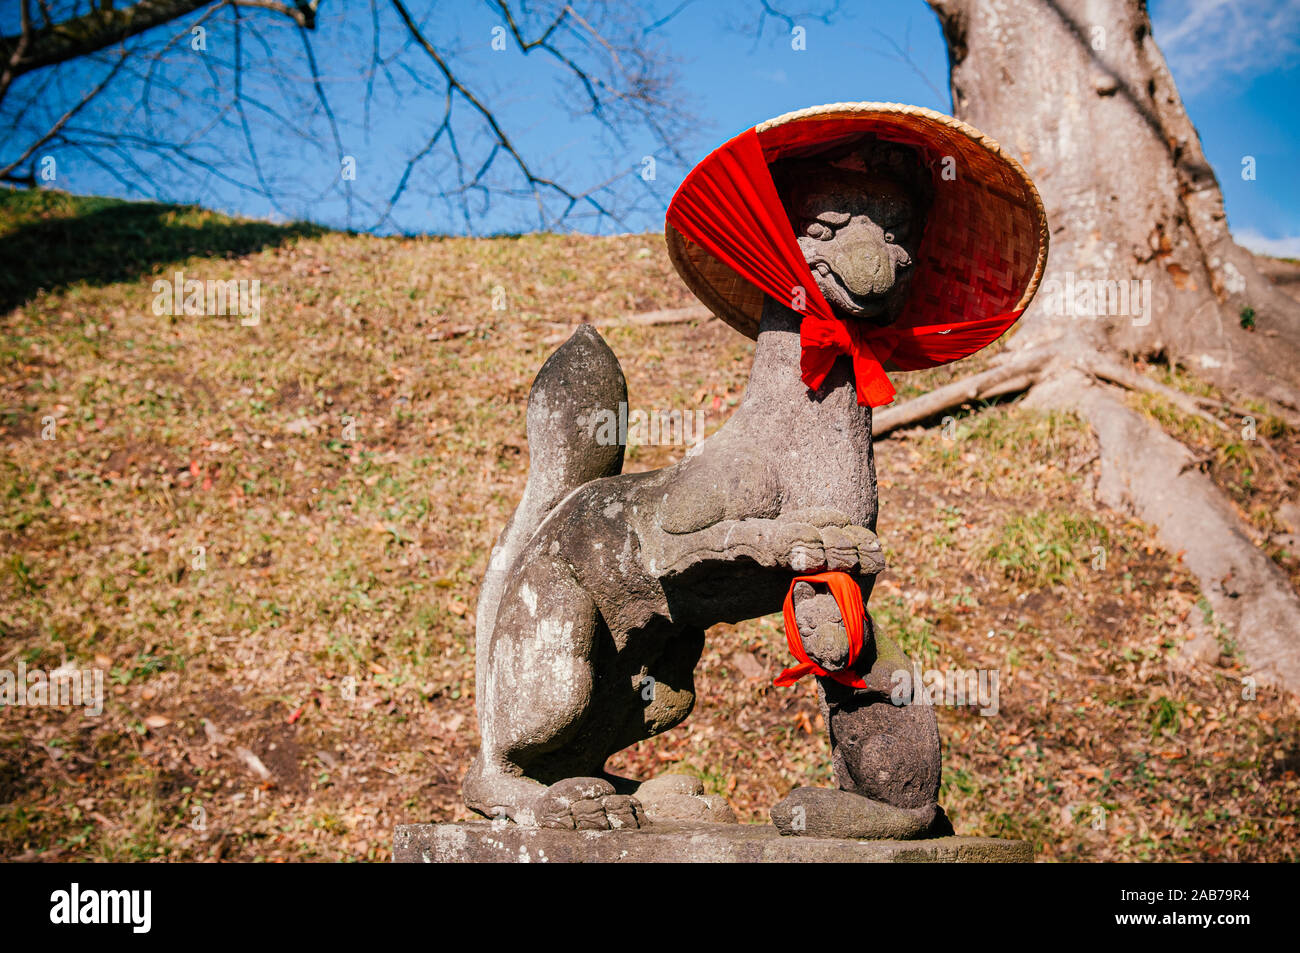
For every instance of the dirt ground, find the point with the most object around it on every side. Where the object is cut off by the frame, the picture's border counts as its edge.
(269, 539)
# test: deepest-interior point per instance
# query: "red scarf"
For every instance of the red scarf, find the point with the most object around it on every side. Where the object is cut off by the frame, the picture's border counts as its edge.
(729, 206)
(849, 599)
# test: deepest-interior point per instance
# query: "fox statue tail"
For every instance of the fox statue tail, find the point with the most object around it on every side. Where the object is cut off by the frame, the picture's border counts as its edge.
(578, 386)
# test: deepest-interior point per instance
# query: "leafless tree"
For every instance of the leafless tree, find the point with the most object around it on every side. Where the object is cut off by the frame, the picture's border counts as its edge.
(168, 95)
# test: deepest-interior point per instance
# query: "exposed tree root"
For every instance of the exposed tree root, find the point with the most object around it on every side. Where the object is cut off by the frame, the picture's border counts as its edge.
(1020, 370)
(1102, 367)
(1152, 475)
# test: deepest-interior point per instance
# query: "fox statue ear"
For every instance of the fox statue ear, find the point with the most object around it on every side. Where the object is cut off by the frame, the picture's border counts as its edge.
(802, 591)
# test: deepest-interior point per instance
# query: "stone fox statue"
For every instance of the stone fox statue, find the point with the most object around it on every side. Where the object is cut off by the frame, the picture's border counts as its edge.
(592, 616)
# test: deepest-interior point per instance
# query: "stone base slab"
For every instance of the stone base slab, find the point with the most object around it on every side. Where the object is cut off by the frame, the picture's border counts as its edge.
(681, 842)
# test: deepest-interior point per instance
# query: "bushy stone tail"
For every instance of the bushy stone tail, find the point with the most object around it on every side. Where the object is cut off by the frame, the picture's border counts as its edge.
(576, 393)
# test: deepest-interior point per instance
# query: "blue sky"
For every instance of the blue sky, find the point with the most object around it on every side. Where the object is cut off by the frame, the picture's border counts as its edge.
(1237, 65)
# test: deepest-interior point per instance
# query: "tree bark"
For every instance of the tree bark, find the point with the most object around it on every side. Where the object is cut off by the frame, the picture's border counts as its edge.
(89, 33)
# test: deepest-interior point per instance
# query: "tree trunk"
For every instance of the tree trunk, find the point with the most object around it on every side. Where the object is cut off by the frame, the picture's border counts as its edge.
(1080, 93)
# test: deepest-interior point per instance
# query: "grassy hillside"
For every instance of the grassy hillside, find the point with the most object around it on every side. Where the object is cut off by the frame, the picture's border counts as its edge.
(270, 537)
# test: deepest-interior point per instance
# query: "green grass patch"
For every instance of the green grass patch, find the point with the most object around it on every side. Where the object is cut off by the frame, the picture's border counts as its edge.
(1047, 547)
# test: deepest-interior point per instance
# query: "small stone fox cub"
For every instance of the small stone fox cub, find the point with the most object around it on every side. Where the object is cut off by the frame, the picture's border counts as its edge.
(885, 749)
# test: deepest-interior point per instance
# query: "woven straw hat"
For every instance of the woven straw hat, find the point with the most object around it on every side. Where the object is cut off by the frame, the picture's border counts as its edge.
(985, 241)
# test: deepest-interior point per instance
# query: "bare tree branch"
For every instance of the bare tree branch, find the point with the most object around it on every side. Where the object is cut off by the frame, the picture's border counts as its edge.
(18, 51)
(63, 120)
(303, 14)
(537, 184)
(89, 33)
(236, 105)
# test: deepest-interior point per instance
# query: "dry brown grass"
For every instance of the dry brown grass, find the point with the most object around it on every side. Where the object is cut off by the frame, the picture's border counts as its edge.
(330, 633)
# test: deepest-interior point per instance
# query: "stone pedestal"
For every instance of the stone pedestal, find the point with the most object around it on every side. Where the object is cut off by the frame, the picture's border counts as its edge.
(681, 842)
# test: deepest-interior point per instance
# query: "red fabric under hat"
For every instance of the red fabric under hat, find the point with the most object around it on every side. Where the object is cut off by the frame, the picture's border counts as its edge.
(962, 296)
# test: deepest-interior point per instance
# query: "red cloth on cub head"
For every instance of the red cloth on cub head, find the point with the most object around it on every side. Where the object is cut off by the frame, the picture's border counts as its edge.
(854, 614)
(729, 206)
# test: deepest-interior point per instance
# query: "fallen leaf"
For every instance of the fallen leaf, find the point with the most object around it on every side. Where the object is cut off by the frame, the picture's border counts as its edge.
(254, 763)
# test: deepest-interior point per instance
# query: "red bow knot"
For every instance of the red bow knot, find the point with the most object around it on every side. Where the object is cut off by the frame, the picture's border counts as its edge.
(824, 339)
